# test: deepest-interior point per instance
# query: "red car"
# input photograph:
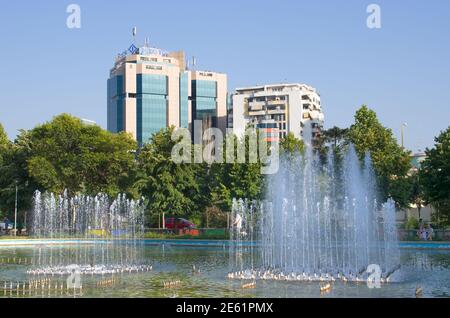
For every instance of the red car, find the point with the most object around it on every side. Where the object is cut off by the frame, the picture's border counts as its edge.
(178, 224)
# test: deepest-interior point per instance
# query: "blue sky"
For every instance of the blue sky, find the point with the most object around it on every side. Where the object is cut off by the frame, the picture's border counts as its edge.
(402, 70)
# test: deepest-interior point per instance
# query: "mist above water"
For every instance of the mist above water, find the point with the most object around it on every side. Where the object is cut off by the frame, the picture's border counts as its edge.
(317, 220)
(106, 232)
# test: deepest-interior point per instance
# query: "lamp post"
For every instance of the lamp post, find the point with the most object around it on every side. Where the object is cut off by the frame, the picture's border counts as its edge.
(403, 134)
(15, 212)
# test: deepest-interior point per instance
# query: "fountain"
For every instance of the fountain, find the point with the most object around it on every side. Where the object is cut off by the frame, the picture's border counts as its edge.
(319, 222)
(95, 235)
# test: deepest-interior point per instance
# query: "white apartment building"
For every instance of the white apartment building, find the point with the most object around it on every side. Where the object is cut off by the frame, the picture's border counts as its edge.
(295, 108)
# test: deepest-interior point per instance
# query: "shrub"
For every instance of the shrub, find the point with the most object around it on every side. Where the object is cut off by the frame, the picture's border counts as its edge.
(412, 224)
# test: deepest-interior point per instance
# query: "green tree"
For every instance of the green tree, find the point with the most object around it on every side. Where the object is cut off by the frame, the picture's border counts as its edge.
(401, 190)
(14, 172)
(290, 144)
(66, 154)
(336, 136)
(238, 179)
(435, 176)
(4, 143)
(391, 162)
(334, 139)
(169, 187)
(417, 194)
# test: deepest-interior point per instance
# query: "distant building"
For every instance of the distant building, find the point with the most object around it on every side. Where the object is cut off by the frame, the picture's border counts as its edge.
(150, 89)
(416, 160)
(88, 122)
(291, 108)
(269, 130)
(426, 212)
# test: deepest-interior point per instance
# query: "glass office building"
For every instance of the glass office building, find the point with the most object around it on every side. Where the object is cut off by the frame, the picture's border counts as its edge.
(150, 89)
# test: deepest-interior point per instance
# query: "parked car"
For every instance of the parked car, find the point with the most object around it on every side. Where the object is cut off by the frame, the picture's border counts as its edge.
(179, 224)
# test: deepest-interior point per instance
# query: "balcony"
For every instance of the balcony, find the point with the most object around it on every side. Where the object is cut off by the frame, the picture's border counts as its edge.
(256, 113)
(255, 107)
(276, 111)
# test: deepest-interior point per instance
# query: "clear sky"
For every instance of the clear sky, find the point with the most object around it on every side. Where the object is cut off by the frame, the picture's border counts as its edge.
(402, 70)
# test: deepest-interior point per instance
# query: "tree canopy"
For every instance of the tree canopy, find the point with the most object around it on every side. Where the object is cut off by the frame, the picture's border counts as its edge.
(435, 175)
(391, 162)
(170, 187)
(4, 143)
(65, 154)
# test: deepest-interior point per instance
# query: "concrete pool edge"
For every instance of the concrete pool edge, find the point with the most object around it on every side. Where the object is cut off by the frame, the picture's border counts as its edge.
(187, 243)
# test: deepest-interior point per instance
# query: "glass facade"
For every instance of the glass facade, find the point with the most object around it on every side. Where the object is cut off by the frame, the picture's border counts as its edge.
(152, 84)
(184, 100)
(151, 105)
(120, 114)
(204, 101)
(204, 88)
(115, 103)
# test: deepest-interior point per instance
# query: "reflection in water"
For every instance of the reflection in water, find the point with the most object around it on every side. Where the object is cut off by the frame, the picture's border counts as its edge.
(428, 269)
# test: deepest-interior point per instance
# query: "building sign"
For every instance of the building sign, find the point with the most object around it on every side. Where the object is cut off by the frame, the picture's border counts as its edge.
(133, 49)
(152, 67)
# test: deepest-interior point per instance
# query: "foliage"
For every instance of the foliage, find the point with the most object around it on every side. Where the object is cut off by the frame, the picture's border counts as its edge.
(14, 172)
(202, 236)
(401, 191)
(336, 136)
(291, 145)
(412, 224)
(335, 140)
(170, 187)
(4, 143)
(391, 162)
(435, 176)
(417, 194)
(66, 154)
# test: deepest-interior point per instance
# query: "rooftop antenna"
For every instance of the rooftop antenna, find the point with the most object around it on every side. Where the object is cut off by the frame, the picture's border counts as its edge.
(134, 34)
(147, 42)
(194, 62)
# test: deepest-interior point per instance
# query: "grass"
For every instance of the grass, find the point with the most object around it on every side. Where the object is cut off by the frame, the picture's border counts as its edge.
(9, 237)
(169, 236)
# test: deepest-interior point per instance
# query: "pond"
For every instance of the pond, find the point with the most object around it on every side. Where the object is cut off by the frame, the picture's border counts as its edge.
(173, 275)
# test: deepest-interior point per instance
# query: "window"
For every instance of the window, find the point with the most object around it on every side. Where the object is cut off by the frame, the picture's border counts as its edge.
(151, 116)
(152, 84)
(204, 88)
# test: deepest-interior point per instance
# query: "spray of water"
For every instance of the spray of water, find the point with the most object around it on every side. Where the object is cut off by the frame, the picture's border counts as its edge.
(104, 234)
(318, 222)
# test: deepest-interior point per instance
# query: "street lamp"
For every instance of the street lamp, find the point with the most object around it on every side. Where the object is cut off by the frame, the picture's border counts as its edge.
(15, 212)
(404, 125)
